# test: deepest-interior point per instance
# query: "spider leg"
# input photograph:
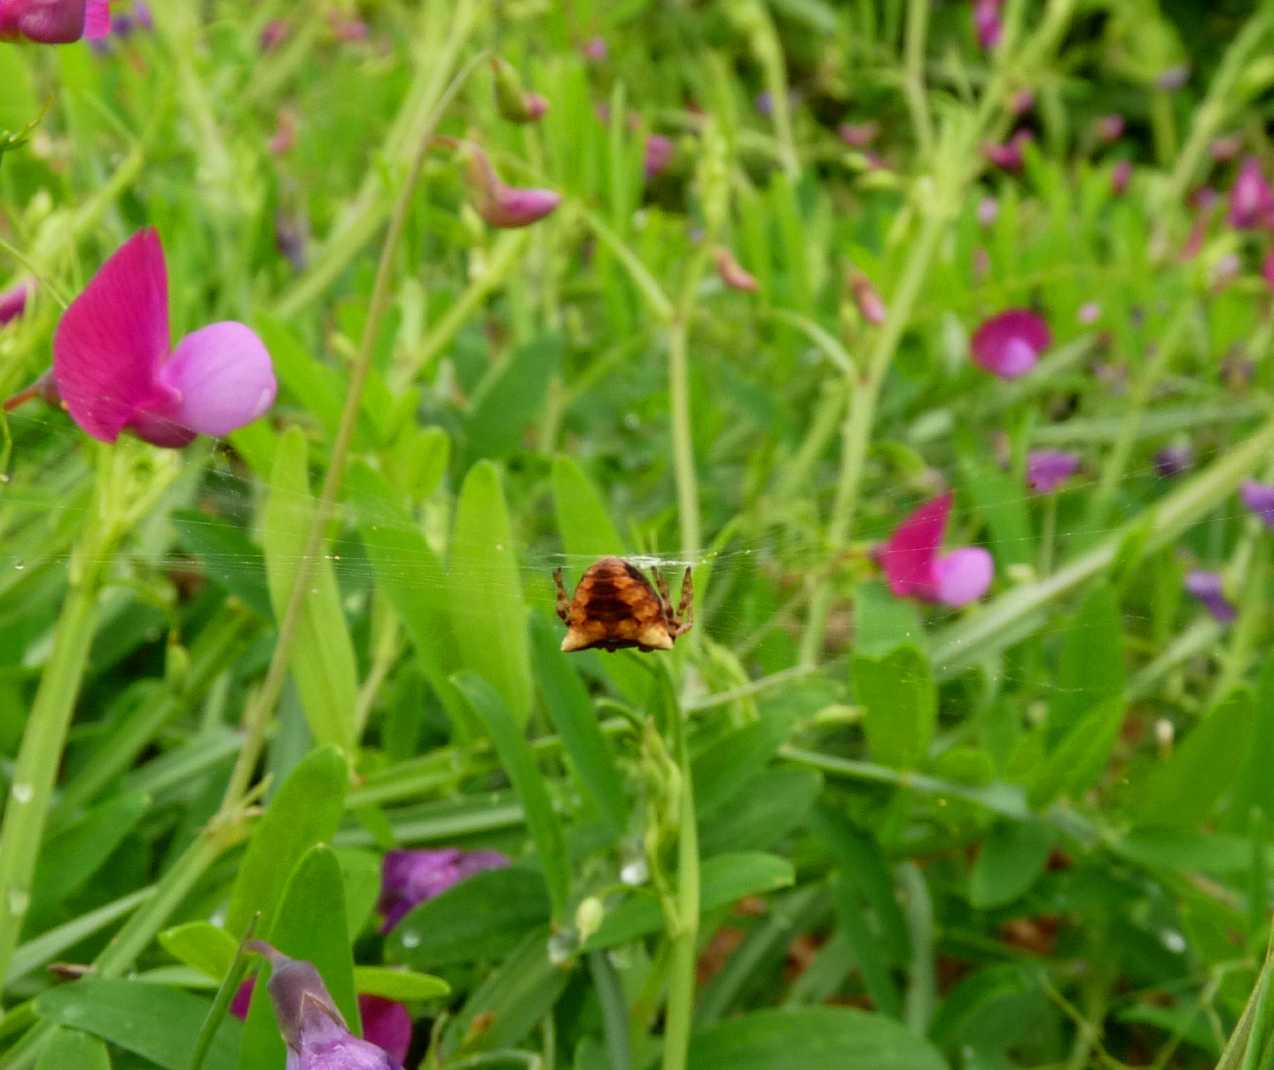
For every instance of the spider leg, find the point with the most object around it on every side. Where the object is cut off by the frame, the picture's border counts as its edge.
(665, 598)
(563, 599)
(686, 606)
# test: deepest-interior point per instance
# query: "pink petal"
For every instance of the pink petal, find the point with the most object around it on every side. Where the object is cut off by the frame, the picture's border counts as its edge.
(97, 18)
(963, 575)
(222, 379)
(111, 341)
(908, 557)
(386, 1024)
(1008, 345)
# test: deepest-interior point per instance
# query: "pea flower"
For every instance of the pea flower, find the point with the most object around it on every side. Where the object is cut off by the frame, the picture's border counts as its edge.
(1046, 470)
(1208, 589)
(385, 1023)
(1173, 461)
(114, 370)
(986, 23)
(13, 301)
(731, 272)
(1110, 127)
(1226, 148)
(408, 878)
(870, 305)
(1010, 344)
(54, 22)
(595, 50)
(1120, 176)
(1008, 155)
(1259, 497)
(858, 135)
(915, 568)
(1251, 198)
(513, 101)
(501, 206)
(313, 1027)
(658, 154)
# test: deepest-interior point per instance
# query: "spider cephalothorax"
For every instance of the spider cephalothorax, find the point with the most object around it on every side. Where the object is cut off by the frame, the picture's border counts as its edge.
(616, 607)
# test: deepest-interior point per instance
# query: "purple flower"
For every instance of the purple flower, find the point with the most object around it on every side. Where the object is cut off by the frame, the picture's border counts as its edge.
(986, 23)
(1022, 102)
(1259, 497)
(1110, 128)
(274, 33)
(1207, 588)
(501, 206)
(659, 153)
(595, 50)
(408, 878)
(115, 371)
(1046, 470)
(1010, 344)
(858, 135)
(54, 22)
(13, 301)
(1251, 199)
(385, 1023)
(1008, 155)
(732, 273)
(1119, 177)
(869, 302)
(915, 568)
(988, 211)
(313, 1027)
(1174, 460)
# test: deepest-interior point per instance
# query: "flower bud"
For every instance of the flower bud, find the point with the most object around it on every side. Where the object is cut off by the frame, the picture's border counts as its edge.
(502, 206)
(513, 101)
(870, 306)
(588, 917)
(732, 273)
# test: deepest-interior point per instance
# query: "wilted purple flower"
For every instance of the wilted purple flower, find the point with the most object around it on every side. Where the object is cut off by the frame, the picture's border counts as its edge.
(595, 49)
(1046, 470)
(1174, 460)
(54, 22)
(411, 877)
(858, 135)
(1173, 78)
(659, 153)
(869, 302)
(1119, 177)
(499, 205)
(1008, 156)
(274, 33)
(1010, 344)
(1227, 148)
(731, 272)
(1251, 198)
(114, 370)
(13, 301)
(986, 23)
(313, 1027)
(1110, 127)
(988, 211)
(1207, 588)
(915, 569)
(1089, 313)
(1259, 497)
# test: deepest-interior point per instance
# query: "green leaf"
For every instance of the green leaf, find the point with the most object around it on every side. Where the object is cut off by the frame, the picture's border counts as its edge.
(868, 952)
(725, 879)
(1255, 788)
(509, 398)
(1183, 790)
(1011, 858)
(228, 556)
(884, 623)
(483, 917)
(722, 769)
(770, 806)
(322, 661)
(361, 873)
(811, 1038)
(900, 702)
(582, 519)
(518, 761)
(488, 613)
(1092, 662)
(69, 1049)
(310, 925)
(989, 1009)
(572, 714)
(158, 1023)
(202, 946)
(401, 985)
(74, 854)
(1074, 765)
(996, 497)
(305, 810)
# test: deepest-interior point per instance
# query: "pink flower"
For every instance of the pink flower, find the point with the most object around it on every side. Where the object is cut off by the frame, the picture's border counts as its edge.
(1010, 344)
(1022, 102)
(870, 305)
(858, 135)
(115, 371)
(732, 273)
(1110, 128)
(274, 33)
(1119, 177)
(986, 23)
(1207, 587)
(408, 878)
(1008, 155)
(54, 22)
(1251, 199)
(13, 301)
(659, 153)
(915, 569)
(595, 49)
(1046, 470)
(988, 211)
(501, 206)
(1089, 313)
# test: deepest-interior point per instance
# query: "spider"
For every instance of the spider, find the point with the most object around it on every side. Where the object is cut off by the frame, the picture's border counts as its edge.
(616, 607)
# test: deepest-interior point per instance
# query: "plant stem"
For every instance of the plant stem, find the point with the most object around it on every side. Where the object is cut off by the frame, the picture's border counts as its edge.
(257, 716)
(914, 79)
(684, 941)
(683, 458)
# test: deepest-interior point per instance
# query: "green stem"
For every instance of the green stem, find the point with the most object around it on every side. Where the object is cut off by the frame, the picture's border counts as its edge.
(683, 458)
(914, 79)
(257, 716)
(684, 940)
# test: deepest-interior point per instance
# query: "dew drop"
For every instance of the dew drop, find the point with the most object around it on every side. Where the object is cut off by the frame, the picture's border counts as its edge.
(411, 938)
(22, 793)
(634, 873)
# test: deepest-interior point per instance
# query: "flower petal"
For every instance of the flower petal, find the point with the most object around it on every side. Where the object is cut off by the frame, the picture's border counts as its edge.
(1009, 345)
(908, 557)
(97, 18)
(112, 340)
(1259, 497)
(387, 1025)
(1046, 470)
(963, 575)
(411, 877)
(222, 379)
(1208, 588)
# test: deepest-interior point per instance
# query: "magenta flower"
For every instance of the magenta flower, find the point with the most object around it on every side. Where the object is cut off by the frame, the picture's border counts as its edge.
(915, 569)
(870, 305)
(54, 22)
(313, 1027)
(408, 878)
(1010, 344)
(858, 135)
(115, 371)
(501, 206)
(1110, 127)
(986, 23)
(274, 33)
(13, 301)
(1008, 156)
(1251, 198)
(988, 211)
(595, 50)
(385, 1023)
(659, 153)
(1120, 176)
(731, 272)
(1173, 461)
(1046, 470)
(1259, 497)
(1208, 589)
